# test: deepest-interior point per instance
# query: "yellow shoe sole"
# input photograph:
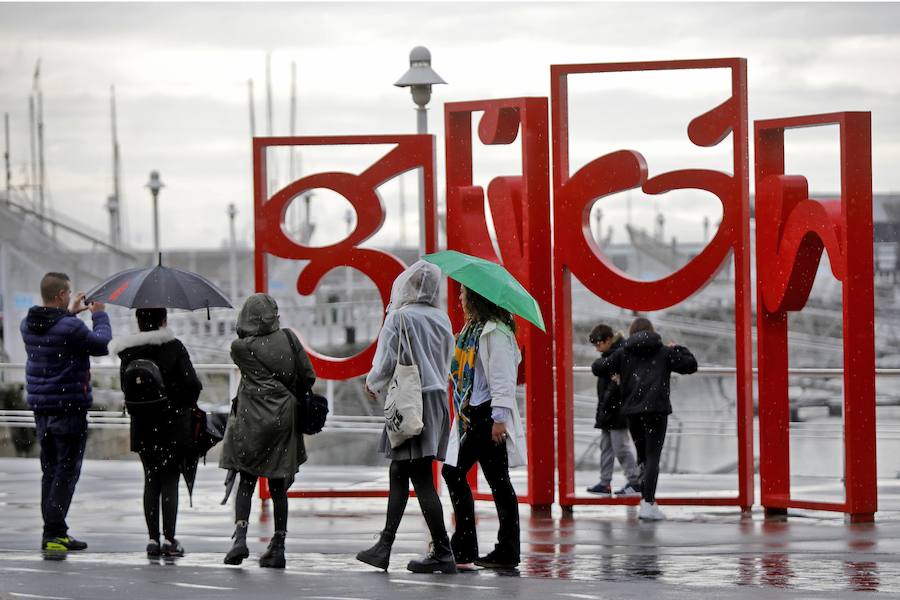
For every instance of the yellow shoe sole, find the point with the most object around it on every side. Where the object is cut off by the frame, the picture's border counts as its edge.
(54, 546)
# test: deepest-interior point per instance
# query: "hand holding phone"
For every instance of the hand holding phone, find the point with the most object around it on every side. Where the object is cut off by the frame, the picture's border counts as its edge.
(78, 304)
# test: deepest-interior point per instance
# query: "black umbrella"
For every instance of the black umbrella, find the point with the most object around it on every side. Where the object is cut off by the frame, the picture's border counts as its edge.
(159, 287)
(189, 472)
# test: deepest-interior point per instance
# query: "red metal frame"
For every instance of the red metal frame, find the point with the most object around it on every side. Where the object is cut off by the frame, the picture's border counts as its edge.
(520, 208)
(576, 253)
(792, 231)
(409, 152)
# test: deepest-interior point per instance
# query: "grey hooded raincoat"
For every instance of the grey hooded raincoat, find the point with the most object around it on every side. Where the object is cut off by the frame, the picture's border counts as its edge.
(261, 438)
(415, 295)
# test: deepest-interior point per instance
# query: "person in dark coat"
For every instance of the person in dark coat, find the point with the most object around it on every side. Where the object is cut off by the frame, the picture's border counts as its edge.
(615, 441)
(58, 385)
(261, 439)
(162, 440)
(645, 366)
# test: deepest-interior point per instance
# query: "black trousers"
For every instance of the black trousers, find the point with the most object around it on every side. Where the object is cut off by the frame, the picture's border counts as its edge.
(479, 447)
(62, 439)
(419, 472)
(649, 434)
(277, 489)
(160, 487)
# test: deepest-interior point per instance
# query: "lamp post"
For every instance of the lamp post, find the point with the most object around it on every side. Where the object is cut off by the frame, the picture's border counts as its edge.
(419, 79)
(155, 185)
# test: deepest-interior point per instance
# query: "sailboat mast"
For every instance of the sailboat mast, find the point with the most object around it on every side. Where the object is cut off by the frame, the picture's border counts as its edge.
(252, 108)
(6, 158)
(115, 201)
(32, 151)
(40, 137)
(293, 115)
(273, 177)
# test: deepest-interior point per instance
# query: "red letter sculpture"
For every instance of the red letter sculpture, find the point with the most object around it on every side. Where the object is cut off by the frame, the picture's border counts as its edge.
(792, 231)
(409, 152)
(520, 207)
(576, 253)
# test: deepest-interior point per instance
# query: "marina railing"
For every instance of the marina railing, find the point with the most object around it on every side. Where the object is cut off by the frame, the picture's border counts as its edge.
(687, 422)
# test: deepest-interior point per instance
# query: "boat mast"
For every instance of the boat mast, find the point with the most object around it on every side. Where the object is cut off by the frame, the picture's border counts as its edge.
(6, 158)
(114, 203)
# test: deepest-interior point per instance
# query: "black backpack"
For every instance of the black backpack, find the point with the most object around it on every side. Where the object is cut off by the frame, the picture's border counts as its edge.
(145, 392)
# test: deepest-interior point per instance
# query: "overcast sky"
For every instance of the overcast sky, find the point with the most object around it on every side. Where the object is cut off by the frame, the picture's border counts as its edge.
(181, 71)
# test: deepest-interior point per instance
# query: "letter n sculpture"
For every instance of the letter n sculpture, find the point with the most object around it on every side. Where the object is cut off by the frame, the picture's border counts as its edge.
(792, 231)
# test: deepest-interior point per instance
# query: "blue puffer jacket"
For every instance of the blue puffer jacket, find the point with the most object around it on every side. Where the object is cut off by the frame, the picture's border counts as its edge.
(59, 347)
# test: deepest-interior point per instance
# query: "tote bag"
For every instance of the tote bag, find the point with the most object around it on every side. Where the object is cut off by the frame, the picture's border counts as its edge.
(403, 403)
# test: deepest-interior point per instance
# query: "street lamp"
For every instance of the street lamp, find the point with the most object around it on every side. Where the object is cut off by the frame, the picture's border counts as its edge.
(419, 79)
(155, 185)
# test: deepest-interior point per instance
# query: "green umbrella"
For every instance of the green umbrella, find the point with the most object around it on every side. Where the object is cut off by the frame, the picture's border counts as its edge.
(491, 281)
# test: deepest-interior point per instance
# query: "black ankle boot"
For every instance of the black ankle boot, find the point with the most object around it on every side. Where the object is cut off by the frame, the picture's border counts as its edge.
(239, 550)
(439, 559)
(273, 557)
(379, 555)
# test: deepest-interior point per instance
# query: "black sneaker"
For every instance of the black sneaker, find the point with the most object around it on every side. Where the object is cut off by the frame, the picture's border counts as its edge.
(172, 548)
(600, 490)
(62, 544)
(493, 560)
(153, 549)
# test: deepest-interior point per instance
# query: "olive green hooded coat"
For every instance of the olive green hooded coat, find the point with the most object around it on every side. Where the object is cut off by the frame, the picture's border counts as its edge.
(260, 438)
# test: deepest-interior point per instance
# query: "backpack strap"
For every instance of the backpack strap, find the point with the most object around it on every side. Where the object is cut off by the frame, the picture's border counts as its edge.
(295, 353)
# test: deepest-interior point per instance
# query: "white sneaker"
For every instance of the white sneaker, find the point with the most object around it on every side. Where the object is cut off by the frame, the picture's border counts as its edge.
(629, 490)
(649, 511)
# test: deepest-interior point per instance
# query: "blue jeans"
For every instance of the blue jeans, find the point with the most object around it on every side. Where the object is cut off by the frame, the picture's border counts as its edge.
(62, 439)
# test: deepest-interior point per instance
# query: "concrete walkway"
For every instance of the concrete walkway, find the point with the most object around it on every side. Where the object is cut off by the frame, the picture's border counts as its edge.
(596, 553)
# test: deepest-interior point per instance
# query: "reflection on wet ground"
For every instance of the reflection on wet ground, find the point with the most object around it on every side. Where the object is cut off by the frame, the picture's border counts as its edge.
(697, 548)
(560, 548)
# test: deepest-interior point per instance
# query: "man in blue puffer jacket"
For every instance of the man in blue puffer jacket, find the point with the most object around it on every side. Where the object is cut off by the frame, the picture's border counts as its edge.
(58, 382)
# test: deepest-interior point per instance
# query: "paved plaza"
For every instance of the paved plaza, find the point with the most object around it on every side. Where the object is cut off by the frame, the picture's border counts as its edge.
(594, 553)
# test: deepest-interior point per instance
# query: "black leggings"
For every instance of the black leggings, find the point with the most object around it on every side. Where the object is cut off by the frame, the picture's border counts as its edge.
(419, 471)
(649, 434)
(478, 446)
(160, 484)
(278, 491)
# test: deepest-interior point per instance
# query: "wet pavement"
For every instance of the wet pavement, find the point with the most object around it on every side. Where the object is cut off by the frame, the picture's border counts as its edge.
(595, 553)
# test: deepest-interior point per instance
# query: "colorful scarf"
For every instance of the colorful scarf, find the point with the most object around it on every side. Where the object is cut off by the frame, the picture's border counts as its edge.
(462, 372)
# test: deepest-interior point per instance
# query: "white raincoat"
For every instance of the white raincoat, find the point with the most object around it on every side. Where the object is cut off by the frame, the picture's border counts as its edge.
(415, 294)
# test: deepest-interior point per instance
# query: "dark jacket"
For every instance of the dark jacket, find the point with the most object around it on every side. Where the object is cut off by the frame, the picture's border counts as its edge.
(168, 435)
(644, 366)
(609, 396)
(261, 438)
(58, 368)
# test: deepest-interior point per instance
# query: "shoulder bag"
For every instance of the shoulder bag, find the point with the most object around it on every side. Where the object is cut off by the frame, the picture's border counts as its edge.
(403, 403)
(312, 409)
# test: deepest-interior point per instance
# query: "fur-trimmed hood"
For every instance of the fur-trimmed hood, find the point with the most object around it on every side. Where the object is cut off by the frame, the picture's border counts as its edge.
(157, 337)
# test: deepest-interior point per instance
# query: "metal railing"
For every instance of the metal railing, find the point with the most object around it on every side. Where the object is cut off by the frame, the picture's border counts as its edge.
(116, 419)
(695, 426)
